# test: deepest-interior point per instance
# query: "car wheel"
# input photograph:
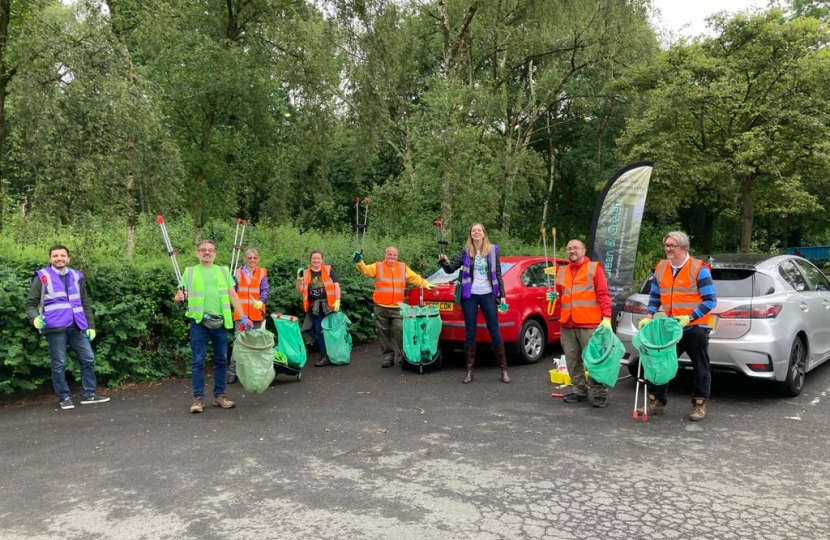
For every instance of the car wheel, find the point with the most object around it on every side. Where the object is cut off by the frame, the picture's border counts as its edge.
(794, 382)
(531, 342)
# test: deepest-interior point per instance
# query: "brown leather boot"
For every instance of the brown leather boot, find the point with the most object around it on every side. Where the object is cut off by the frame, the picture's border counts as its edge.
(471, 362)
(501, 358)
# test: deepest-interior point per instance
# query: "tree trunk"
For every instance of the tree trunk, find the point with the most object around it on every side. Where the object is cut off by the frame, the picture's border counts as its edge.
(5, 76)
(747, 213)
(129, 144)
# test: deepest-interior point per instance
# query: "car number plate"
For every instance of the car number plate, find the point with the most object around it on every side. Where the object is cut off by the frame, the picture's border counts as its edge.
(442, 306)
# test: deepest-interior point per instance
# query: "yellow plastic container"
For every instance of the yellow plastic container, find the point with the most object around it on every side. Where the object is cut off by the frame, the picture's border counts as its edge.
(560, 377)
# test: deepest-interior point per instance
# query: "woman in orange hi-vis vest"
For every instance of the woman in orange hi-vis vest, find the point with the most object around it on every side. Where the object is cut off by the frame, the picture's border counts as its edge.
(320, 288)
(252, 287)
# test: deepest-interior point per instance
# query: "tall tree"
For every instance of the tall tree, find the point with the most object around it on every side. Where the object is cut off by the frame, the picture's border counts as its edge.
(736, 121)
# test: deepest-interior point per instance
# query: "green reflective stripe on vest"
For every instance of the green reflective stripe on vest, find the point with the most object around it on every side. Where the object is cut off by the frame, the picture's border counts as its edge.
(196, 294)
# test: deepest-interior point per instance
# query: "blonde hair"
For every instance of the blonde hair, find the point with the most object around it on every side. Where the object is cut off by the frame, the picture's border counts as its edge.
(485, 242)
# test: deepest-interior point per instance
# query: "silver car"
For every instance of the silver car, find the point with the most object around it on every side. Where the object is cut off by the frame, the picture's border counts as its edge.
(772, 321)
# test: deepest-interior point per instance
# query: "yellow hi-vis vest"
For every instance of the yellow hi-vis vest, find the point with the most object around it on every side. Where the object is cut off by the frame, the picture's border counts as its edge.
(196, 293)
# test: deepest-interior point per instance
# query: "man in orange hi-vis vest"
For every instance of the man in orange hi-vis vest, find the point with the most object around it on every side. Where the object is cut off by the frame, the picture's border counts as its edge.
(682, 285)
(585, 304)
(252, 288)
(391, 278)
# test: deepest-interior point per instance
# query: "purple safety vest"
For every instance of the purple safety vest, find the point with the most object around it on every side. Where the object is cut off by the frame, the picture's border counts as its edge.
(62, 306)
(467, 277)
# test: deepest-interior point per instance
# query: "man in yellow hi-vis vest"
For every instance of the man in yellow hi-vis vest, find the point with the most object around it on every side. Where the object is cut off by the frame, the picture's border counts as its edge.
(210, 295)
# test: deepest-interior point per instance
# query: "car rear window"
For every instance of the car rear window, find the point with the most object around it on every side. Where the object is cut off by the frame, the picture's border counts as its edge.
(734, 282)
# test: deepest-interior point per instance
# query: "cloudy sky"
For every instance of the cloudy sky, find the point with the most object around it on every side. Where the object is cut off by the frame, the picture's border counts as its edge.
(677, 13)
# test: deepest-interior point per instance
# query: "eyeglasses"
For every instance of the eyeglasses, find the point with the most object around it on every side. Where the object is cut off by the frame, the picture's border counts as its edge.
(670, 247)
(203, 250)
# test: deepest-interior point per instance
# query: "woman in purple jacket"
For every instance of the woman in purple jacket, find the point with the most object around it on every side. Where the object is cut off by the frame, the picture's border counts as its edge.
(481, 287)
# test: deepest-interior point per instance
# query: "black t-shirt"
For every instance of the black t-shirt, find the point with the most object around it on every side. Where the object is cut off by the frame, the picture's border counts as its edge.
(316, 288)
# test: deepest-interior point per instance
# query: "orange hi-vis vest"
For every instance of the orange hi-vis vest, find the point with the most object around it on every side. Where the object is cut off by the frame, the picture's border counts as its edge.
(248, 292)
(679, 294)
(325, 275)
(390, 284)
(579, 299)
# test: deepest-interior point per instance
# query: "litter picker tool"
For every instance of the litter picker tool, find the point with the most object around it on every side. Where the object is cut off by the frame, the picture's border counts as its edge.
(357, 220)
(43, 283)
(421, 296)
(635, 415)
(237, 244)
(440, 232)
(361, 227)
(170, 251)
(551, 303)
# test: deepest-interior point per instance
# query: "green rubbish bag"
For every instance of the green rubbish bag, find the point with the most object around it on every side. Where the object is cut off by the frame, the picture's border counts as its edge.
(337, 337)
(421, 328)
(253, 351)
(602, 356)
(289, 341)
(657, 342)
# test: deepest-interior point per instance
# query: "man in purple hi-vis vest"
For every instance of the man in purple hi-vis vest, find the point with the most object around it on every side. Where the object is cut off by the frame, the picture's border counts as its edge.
(58, 307)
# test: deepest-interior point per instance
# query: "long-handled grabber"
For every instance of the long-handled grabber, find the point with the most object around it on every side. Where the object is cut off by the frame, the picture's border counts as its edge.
(361, 227)
(440, 231)
(172, 252)
(421, 296)
(238, 237)
(547, 276)
(357, 221)
(635, 415)
(43, 283)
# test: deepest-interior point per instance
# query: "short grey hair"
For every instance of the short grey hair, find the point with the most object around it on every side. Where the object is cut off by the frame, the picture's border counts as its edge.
(680, 237)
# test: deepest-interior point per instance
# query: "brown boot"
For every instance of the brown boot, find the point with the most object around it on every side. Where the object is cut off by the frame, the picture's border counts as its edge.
(698, 411)
(501, 358)
(471, 362)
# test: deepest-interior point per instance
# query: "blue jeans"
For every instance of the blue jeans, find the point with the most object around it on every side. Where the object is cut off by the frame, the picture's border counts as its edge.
(57, 353)
(487, 303)
(199, 337)
(695, 343)
(317, 321)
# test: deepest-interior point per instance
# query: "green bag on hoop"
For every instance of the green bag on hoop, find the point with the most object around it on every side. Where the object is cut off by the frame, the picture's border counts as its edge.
(421, 329)
(657, 342)
(602, 356)
(253, 352)
(289, 341)
(338, 339)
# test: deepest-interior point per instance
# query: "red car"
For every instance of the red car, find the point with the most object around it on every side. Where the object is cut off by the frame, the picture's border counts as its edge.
(527, 327)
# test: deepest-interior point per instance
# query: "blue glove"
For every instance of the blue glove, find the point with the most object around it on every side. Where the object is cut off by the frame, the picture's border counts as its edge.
(503, 308)
(357, 257)
(246, 323)
(90, 334)
(552, 296)
(39, 322)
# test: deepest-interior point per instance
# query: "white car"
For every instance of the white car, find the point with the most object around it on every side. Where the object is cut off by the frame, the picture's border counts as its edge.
(772, 320)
